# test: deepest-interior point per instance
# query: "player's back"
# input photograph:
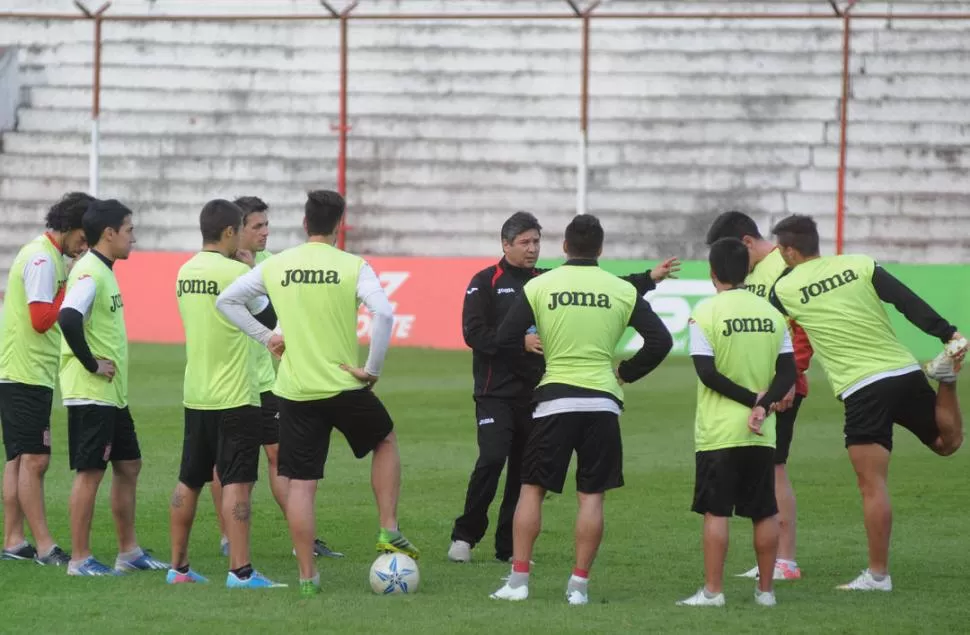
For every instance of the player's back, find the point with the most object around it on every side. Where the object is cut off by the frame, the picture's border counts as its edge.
(218, 370)
(745, 335)
(834, 300)
(27, 356)
(581, 313)
(313, 288)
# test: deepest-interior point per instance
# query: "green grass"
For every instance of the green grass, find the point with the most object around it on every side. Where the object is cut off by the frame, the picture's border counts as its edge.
(650, 557)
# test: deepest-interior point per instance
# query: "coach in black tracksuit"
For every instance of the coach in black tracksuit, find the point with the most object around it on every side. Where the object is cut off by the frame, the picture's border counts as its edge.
(504, 384)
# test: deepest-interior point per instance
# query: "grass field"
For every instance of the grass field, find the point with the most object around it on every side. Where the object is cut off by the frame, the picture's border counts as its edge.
(650, 558)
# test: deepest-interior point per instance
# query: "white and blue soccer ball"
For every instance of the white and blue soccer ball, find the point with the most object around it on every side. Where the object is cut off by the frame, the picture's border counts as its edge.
(394, 573)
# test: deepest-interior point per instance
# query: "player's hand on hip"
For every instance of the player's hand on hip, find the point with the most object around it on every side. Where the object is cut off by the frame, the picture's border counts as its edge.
(755, 419)
(360, 374)
(106, 368)
(533, 344)
(276, 345)
(619, 380)
(667, 269)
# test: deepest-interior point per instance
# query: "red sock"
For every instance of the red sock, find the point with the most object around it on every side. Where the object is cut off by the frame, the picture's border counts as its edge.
(519, 566)
(581, 573)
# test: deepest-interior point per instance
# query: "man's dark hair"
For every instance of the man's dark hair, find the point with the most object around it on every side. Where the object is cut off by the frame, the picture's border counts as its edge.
(519, 223)
(800, 232)
(732, 224)
(67, 214)
(584, 237)
(103, 214)
(324, 209)
(250, 205)
(729, 261)
(216, 216)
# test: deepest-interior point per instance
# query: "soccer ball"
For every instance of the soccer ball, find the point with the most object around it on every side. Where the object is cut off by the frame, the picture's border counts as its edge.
(394, 573)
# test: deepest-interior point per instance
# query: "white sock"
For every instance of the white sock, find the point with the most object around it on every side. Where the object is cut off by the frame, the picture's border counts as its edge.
(134, 554)
(709, 594)
(49, 552)
(790, 563)
(17, 547)
(315, 579)
(517, 579)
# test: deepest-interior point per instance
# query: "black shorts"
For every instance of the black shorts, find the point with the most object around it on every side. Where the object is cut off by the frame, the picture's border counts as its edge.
(736, 480)
(305, 428)
(594, 436)
(785, 430)
(225, 439)
(98, 434)
(25, 415)
(269, 412)
(908, 400)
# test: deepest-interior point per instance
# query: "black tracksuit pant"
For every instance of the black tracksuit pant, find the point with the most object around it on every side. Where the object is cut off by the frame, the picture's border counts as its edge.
(503, 428)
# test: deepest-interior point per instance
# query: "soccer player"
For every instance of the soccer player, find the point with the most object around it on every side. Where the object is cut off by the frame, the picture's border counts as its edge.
(504, 381)
(94, 386)
(765, 266)
(838, 300)
(743, 356)
(221, 397)
(316, 289)
(580, 313)
(29, 351)
(252, 250)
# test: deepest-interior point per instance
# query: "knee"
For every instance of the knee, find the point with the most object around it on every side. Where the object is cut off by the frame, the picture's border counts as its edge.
(948, 446)
(127, 469)
(35, 464)
(272, 456)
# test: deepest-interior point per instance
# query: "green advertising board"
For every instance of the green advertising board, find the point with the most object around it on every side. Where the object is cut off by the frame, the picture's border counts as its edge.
(945, 287)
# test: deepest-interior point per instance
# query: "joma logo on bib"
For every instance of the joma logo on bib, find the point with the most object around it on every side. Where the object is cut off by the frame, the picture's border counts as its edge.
(201, 287)
(116, 303)
(759, 290)
(579, 298)
(748, 325)
(309, 276)
(824, 286)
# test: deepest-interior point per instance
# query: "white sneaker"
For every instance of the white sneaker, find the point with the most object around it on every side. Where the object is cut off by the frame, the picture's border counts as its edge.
(943, 368)
(513, 595)
(783, 571)
(765, 598)
(865, 582)
(700, 599)
(460, 551)
(577, 597)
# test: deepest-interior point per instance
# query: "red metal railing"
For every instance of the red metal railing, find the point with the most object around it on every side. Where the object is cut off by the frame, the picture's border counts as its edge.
(844, 13)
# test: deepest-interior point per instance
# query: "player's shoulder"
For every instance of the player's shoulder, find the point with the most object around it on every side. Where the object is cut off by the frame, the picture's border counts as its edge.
(705, 307)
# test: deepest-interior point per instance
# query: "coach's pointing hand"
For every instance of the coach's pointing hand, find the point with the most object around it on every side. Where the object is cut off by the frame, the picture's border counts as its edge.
(360, 374)
(667, 269)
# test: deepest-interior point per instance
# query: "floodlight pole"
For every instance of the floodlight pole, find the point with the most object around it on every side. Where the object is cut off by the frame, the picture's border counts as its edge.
(582, 167)
(94, 152)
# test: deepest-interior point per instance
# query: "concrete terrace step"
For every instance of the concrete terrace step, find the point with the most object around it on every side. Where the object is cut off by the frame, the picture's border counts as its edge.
(433, 57)
(271, 171)
(690, 36)
(497, 82)
(464, 199)
(755, 131)
(386, 149)
(717, 108)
